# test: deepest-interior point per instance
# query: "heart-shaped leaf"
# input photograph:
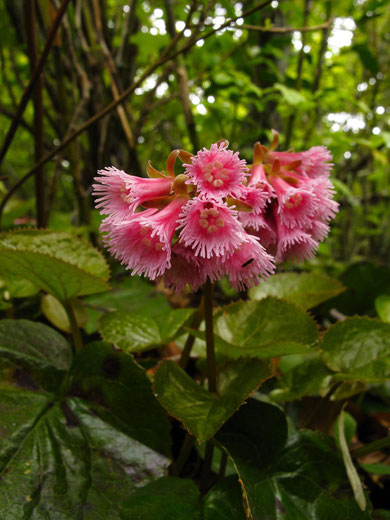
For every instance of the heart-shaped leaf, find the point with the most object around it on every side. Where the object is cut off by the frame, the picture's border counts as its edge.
(303, 478)
(203, 412)
(304, 289)
(56, 262)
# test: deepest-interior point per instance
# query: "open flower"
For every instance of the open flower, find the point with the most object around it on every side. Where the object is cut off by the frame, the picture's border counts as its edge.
(216, 172)
(218, 218)
(247, 263)
(112, 193)
(210, 227)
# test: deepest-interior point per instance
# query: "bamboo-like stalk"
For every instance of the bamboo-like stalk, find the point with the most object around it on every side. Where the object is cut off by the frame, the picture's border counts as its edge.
(31, 31)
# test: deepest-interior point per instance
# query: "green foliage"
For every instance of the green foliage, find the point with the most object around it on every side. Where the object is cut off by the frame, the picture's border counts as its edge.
(264, 329)
(202, 412)
(168, 498)
(58, 263)
(56, 313)
(358, 348)
(134, 333)
(301, 476)
(85, 444)
(304, 289)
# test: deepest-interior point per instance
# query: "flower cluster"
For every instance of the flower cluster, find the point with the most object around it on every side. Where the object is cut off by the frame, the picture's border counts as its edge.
(219, 217)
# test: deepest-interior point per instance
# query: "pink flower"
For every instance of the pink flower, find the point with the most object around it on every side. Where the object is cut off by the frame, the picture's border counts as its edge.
(143, 242)
(261, 226)
(113, 193)
(248, 262)
(132, 243)
(216, 172)
(294, 244)
(142, 190)
(324, 191)
(210, 227)
(315, 162)
(258, 179)
(296, 205)
(185, 269)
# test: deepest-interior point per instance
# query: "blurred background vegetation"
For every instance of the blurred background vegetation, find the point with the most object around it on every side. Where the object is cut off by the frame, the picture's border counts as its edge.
(318, 72)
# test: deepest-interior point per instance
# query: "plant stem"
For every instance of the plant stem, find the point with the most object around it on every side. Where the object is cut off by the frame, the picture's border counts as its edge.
(208, 315)
(208, 457)
(77, 341)
(185, 355)
(184, 454)
(222, 466)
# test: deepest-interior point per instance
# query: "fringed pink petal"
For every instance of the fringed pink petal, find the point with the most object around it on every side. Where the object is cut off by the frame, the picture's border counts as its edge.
(216, 172)
(210, 227)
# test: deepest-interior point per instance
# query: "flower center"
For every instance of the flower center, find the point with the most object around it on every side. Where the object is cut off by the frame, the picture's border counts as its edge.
(293, 201)
(148, 241)
(210, 220)
(125, 194)
(215, 174)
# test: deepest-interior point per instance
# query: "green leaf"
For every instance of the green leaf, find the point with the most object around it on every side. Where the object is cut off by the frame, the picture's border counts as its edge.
(359, 348)
(304, 289)
(120, 392)
(381, 514)
(134, 333)
(264, 329)
(353, 476)
(129, 294)
(75, 457)
(382, 305)
(363, 282)
(56, 313)
(376, 468)
(203, 412)
(291, 96)
(15, 287)
(367, 57)
(60, 461)
(167, 498)
(224, 501)
(56, 262)
(305, 379)
(172, 498)
(294, 480)
(34, 352)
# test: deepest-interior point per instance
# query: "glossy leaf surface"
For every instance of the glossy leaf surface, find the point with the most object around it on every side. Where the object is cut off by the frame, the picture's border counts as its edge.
(135, 332)
(359, 348)
(289, 479)
(56, 262)
(73, 448)
(304, 289)
(201, 411)
(264, 329)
